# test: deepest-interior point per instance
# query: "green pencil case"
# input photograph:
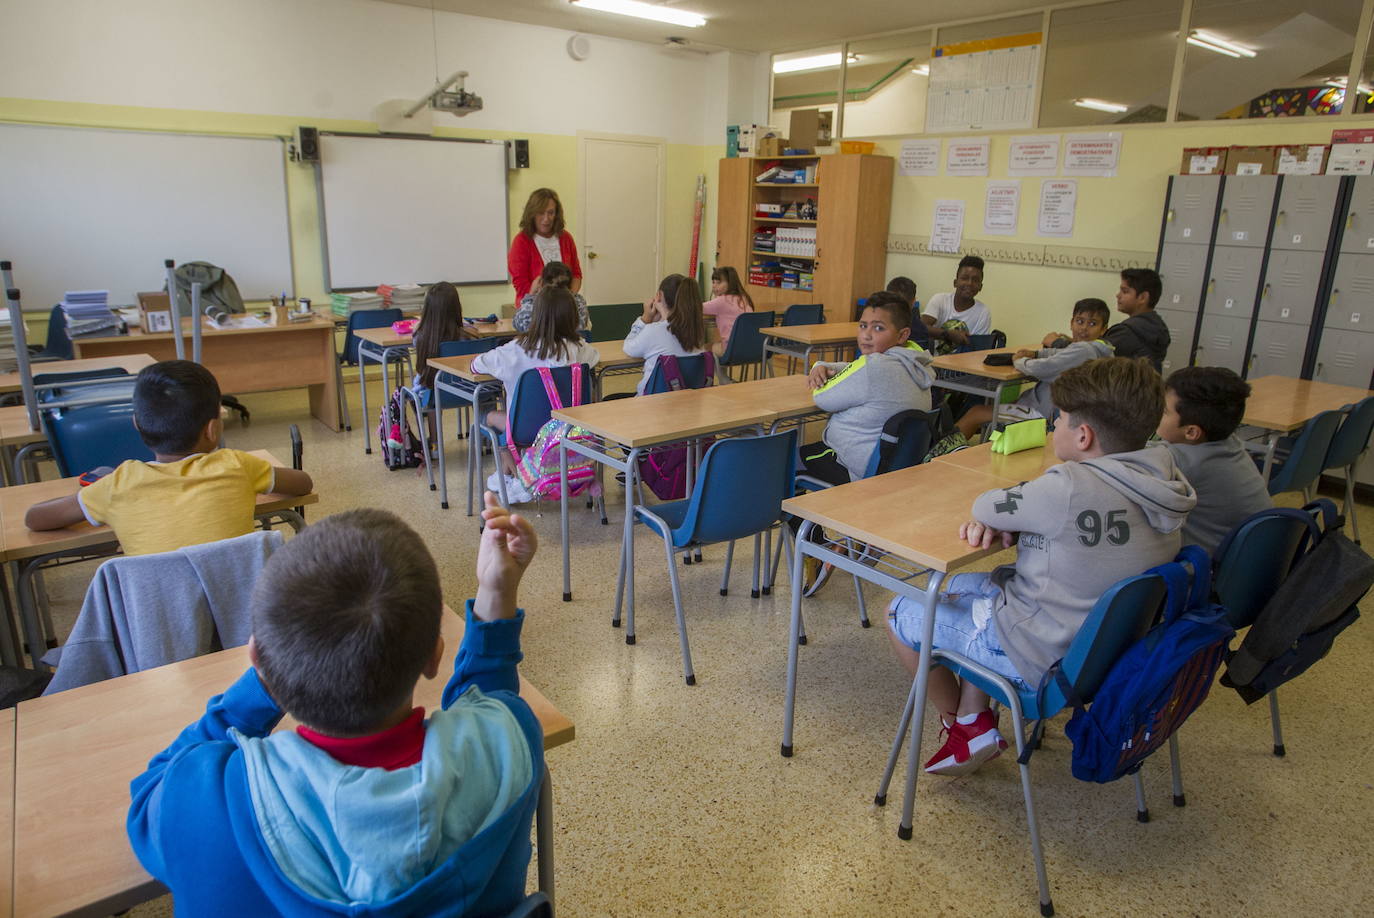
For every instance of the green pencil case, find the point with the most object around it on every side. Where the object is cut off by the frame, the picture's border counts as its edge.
(1022, 435)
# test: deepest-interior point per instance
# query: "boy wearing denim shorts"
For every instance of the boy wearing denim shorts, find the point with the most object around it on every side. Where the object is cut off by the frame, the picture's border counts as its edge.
(1112, 509)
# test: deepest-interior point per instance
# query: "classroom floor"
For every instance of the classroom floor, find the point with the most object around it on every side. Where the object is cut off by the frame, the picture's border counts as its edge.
(675, 801)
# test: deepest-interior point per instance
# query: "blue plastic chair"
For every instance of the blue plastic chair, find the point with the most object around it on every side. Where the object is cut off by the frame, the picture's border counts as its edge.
(528, 411)
(692, 369)
(535, 905)
(89, 436)
(745, 347)
(363, 318)
(57, 346)
(738, 492)
(1302, 466)
(994, 339)
(1255, 559)
(443, 400)
(798, 314)
(1120, 618)
(1347, 446)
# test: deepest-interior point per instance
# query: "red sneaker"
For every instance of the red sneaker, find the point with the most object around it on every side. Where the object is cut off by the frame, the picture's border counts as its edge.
(967, 747)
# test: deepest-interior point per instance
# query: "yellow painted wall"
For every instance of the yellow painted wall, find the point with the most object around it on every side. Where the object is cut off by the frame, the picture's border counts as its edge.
(1123, 212)
(554, 164)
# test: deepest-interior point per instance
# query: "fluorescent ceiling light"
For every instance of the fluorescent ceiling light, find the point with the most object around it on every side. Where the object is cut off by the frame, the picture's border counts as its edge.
(814, 62)
(1100, 106)
(1339, 83)
(923, 70)
(1219, 45)
(644, 11)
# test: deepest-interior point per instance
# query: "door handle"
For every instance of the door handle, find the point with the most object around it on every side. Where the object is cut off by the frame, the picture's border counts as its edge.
(591, 256)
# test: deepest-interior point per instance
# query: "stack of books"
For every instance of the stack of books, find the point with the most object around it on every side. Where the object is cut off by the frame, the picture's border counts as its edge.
(344, 304)
(405, 297)
(9, 361)
(88, 314)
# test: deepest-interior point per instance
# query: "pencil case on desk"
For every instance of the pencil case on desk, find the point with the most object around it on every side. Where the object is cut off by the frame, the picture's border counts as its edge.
(1022, 435)
(998, 360)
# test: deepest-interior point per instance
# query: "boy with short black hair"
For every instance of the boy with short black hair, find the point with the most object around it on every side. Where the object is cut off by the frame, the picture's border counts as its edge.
(193, 492)
(953, 316)
(905, 288)
(1143, 333)
(366, 806)
(1203, 406)
(1111, 509)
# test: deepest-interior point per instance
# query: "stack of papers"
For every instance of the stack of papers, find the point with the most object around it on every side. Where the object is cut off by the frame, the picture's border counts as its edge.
(88, 313)
(405, 297)
(346, 303)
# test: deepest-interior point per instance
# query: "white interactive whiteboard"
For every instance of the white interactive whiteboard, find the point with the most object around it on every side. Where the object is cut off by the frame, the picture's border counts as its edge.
(97, 209)
(412, 210)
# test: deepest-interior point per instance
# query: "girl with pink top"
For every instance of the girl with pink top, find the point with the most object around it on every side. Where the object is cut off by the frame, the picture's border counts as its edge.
(728, 300)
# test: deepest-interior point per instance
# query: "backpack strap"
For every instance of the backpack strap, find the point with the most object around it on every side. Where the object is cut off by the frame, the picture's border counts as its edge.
(1331, 520)
(551, 390)
(1056, 675)
(576, 385)
(672, 373)
(709, 376)
(1314, 533)
(1201, 589)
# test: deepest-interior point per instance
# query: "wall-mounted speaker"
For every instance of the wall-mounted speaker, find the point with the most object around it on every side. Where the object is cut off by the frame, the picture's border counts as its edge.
(307, 144)
(518, 154)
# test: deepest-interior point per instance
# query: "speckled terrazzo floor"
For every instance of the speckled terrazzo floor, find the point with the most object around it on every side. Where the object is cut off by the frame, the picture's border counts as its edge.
(675, 800)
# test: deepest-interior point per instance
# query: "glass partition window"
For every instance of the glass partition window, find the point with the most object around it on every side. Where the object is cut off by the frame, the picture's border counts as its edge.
(804, 79)
(885, 85)
(1110, 63)
(1267, 58)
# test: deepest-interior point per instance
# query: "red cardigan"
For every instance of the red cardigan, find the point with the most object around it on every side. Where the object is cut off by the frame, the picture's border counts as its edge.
(524, 261)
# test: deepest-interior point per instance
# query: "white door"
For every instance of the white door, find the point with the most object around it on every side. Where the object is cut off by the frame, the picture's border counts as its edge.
(622, 218)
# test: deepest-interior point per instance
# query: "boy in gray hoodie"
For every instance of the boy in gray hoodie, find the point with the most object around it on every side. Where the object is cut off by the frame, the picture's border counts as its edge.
(1111, 510)
(890, 375)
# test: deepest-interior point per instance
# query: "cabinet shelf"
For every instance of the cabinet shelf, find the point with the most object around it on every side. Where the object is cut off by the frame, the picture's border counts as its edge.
(776, 255)
(786, 220)
(787, 185)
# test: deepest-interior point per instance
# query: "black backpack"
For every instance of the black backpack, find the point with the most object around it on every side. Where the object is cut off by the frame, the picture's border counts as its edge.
(218, 292)
(399, 445)
(1317, 601)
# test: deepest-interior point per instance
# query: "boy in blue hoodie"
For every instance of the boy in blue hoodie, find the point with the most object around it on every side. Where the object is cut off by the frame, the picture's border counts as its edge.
(366, 808)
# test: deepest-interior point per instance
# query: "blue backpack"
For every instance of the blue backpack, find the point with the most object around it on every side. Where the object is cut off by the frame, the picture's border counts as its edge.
(1160, 680)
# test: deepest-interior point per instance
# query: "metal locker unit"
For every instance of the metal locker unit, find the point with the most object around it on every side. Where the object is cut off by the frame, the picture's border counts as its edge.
(1345, 358)
(1306, 208)
(1180, 324)
(1291, 283)
(1350, 305)
(1277, 349)
(1183, 270)
(1344, 324)
(1191, 210)
(1234, 281)
(1222, 340)
(1247, 210)
(1358, 235)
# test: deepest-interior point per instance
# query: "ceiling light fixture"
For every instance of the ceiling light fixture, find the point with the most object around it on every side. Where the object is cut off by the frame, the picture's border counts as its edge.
(813, 62)
(923, 70)
(644, 11)
(1339, 83)
(1219, 45)
(1099, 105)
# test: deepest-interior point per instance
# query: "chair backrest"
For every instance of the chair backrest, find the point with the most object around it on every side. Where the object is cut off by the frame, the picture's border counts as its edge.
(535, 905)
(904, 442)
(58, 343)
(740, 487)
(1352, 438)
(467, 346)
(804, 314)
(987, 342)
(89, 436)
(746, 340)
(529, 407)
(693, 370)
(1119, 618)
(89, 377)
(365, 318)
(1308, 456)
(1257, 558)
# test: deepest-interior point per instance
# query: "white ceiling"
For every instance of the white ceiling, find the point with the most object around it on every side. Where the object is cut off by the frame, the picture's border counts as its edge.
(743, 25)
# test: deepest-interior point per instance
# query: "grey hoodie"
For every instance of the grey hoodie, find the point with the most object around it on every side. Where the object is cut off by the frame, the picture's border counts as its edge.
(1049, 363)
(1229, 488)
(864, 393)
(1143, 335)
(1083, 526)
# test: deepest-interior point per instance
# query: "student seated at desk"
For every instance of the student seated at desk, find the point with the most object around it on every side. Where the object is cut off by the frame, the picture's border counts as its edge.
(1143, 333)
(672, 323)
(194, 492)
(1090, 318)
(441, 320)
(729, 300)
(554, 274)
(1203, 407)
(1112, 509)
(367, 807)
(905, 288)
(952, 316)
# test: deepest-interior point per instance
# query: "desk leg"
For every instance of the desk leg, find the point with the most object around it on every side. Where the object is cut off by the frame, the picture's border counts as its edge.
(1271, 444)
(626, 583)
(543, 833)
(437, 398)
(9, 638)
(324, 397)
(28, 612)
(563, 518)
(913, 756)
(362, 395)
(803, 537)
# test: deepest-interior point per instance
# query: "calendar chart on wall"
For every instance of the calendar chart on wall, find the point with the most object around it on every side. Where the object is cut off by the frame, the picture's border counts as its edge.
(989, 84)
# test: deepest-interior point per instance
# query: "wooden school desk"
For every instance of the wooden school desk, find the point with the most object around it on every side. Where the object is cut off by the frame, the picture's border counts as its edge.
(262, 359)
(913, 515)
(130, 363)
(810, 338)
(967, 373)
(28, 551)
(1281, 404)
(7, 731)
(78, 750)
(1013, 469)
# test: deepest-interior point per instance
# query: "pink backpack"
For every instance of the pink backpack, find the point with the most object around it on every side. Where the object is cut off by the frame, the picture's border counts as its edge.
(537, 465)
(665, 471)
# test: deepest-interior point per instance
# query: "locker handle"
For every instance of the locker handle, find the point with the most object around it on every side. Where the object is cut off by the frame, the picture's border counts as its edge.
(1350, 221)
(1334, 293)
(1212, 285)
(1279, 219)
(1169, 215)
(1222, 215)
(1266, 289)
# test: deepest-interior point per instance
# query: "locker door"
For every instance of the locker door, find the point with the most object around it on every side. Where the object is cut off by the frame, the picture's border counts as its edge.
(1290, 287)
(1278, 350)
(1234, 280)
(1180, 324)
(1345, 358)
(1306, 206)
(1359, 221)
(1221, 342)
(1352, 294)
(1192, 208)
(1181, 268)
(1246, 206)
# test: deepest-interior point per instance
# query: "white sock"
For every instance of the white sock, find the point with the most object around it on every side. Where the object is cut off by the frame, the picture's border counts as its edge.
(967, 719)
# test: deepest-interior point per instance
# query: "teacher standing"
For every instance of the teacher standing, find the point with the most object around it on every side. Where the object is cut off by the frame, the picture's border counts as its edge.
(541, 239)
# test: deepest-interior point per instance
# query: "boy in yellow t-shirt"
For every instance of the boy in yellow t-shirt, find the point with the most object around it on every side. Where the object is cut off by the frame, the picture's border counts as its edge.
(193, 492)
